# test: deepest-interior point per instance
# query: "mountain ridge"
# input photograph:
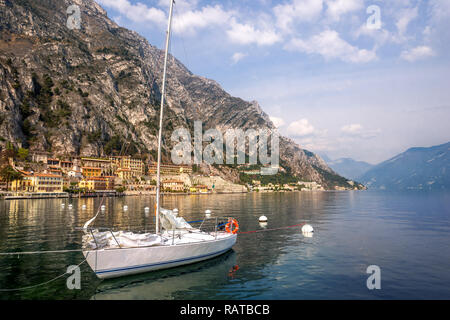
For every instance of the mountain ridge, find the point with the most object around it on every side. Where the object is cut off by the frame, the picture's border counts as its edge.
(89, 91)
(348, 167)
(420, 168)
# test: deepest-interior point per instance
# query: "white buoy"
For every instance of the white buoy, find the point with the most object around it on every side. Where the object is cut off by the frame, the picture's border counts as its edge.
(263, 219)
(125, 208)
(307, 229)
(83, 207)
(208, 213)
(146, 209)
(175, 211)
(62, 205)
(103, 207)
(70, 206)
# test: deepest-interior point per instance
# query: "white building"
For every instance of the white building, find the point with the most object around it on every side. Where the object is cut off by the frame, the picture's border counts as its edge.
(75, 172)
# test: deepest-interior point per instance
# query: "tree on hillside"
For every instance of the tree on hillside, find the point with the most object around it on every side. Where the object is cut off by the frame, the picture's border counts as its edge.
(22, 154)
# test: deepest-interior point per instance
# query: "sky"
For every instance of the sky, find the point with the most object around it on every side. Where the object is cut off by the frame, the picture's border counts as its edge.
(365, 79)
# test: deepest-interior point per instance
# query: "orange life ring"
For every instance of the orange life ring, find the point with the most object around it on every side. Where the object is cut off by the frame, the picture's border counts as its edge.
(228, 226)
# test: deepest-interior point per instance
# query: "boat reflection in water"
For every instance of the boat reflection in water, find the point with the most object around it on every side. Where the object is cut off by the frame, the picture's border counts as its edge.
(171, 283)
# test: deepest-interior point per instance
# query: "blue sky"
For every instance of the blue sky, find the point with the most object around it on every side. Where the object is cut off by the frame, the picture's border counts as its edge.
(334, 75)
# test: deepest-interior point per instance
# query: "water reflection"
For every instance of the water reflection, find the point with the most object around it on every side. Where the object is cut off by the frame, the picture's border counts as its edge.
(352, 230)
(44, 224)
(177, 283)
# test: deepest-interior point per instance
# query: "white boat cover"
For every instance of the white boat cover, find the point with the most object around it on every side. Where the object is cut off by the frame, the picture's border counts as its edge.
(108, 239)
(170, 221)
(124, 239)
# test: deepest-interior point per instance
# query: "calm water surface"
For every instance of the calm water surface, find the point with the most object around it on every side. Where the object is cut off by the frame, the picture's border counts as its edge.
(406, 234)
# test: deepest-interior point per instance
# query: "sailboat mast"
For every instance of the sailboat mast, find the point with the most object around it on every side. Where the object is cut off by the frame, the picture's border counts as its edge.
(158, 179)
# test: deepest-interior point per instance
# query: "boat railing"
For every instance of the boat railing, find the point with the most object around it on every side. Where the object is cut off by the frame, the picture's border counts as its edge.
(212, 226)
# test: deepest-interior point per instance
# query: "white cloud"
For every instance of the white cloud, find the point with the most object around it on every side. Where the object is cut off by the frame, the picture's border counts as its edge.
(417, 53)
(180, 5)
(297, 11)
(277, 122)
(380, 36)
(247, 34)
(317, 141)
(405, 17)
(352, 128)
(427, 31)
(331, 46)
(300, 128)
(356, 130)
(138, 12)
(189, 22)
(440, 10)
(238, 56)
(337, 8)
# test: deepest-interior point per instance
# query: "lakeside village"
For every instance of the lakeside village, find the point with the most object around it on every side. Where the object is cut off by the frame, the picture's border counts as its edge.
(42, 175)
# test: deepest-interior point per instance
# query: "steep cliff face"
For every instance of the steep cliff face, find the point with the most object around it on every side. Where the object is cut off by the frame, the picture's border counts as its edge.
(96, 90)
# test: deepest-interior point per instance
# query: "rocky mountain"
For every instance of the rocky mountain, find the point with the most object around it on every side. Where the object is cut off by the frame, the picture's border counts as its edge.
(348, 167)
(94, 90)
(417, 168)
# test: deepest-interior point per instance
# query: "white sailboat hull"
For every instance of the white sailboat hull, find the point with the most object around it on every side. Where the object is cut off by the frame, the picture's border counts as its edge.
(117, 262)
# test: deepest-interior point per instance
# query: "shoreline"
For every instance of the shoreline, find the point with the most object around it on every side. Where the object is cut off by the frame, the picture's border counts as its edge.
(66, 195)
(110, 194)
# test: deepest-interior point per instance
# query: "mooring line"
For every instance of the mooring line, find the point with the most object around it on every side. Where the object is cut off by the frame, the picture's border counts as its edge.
(43, 283)
(18, 253)
(81, 250)
(264, 230)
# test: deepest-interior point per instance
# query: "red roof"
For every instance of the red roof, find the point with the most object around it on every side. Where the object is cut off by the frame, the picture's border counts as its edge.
(47, 175)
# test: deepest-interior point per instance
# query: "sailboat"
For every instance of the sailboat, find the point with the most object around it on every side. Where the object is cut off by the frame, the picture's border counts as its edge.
(175, 242)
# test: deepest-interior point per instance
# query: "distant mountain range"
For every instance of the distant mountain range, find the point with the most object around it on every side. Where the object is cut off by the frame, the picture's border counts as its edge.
(417, 168)
(348, 167)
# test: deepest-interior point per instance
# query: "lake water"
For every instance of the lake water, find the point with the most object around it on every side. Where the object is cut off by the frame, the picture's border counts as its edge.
(406, 234)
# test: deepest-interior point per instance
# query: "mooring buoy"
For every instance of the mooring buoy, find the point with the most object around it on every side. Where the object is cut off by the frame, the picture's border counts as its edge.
(307, 228)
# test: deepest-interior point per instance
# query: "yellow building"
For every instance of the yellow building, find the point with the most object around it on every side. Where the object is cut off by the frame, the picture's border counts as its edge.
(168, 169)
(26, 184)
(39, 182)
(86, 184)
(124, 174)
(89, 172)
(106, 165)
(110, 182)
(136, 166)
(48, 183)
(173, 185)
(200, 189)
(96, 184)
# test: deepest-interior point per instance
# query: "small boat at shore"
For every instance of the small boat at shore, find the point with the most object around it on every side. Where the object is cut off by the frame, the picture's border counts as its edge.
(114, 254)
